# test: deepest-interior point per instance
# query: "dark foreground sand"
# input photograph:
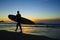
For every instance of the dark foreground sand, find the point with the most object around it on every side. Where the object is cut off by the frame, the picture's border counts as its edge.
(6, 35)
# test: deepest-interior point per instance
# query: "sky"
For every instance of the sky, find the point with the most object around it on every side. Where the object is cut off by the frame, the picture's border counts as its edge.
(30, 9)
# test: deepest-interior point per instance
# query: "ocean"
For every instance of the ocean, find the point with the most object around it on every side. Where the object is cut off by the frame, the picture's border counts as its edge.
(52, 32)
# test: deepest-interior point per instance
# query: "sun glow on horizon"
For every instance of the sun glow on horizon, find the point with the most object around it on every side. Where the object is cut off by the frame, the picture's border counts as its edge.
(32, 19)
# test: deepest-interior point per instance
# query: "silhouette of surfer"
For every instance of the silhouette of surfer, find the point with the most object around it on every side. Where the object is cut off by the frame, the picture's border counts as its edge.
(18, 17)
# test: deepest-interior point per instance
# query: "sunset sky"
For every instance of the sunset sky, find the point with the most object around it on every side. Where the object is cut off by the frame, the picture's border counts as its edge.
(31, 9)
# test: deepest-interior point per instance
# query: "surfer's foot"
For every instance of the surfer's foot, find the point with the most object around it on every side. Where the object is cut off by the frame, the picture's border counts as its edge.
(15, 30)
(21, 32)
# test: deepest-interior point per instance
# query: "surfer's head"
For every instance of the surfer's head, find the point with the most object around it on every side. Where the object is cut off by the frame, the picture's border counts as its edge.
(18, 12)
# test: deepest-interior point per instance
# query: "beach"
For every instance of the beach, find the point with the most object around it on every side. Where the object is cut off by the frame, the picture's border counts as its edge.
(6, 35)
(47, 33)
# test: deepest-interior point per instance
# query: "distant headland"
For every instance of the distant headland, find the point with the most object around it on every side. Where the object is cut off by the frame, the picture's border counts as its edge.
(2, 21)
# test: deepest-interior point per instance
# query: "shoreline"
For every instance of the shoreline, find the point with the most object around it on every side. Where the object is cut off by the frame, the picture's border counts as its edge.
(7, 35)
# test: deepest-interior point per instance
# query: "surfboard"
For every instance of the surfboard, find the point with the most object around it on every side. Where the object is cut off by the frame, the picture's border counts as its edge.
(23, 20)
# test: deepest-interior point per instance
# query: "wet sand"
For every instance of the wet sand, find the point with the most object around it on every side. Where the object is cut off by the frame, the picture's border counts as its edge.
(7, 35)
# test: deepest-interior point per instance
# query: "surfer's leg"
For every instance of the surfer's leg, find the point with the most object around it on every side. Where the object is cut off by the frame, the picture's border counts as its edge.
(16, 27)
(20, 27)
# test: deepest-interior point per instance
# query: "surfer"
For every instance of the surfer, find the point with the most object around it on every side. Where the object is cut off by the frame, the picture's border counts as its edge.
(18, 17)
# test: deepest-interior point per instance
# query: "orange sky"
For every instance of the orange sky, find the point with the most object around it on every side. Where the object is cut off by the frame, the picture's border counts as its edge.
(33, 19)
